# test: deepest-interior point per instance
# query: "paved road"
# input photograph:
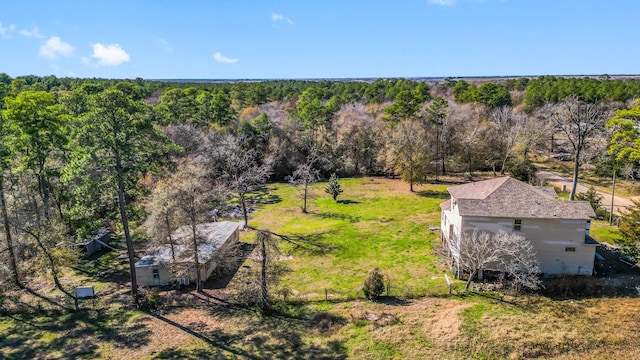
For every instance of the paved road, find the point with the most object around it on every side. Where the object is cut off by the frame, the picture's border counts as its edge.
(619, 202)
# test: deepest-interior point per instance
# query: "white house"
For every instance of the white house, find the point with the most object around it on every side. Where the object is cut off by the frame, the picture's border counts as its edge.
(558, 230)
(159, 268)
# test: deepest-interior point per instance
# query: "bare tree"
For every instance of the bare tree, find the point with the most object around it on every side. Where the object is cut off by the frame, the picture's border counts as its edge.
(163, 219)
(193, 197)
(508, 252)
(409, 149)
(579, 121)
(268, 248)
(305, 175)
(508, 125)
(46, 233)
(359, 136)
(628, 171)
(520, 263)
(237, 167)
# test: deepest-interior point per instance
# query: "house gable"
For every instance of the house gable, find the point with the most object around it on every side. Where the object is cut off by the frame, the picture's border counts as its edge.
(557, 229)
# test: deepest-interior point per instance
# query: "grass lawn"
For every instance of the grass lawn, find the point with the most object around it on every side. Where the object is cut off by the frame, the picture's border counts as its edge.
(603, 232)
(377, 223)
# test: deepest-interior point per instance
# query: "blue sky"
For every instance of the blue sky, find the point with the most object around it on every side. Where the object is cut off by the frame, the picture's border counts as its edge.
(274, 39)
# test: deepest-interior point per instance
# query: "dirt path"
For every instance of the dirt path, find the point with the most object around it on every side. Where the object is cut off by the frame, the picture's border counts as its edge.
(619, 202)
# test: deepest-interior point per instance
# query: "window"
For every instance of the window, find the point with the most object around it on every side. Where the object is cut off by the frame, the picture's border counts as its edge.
(517, 225)
(155, 271)
(570, 249)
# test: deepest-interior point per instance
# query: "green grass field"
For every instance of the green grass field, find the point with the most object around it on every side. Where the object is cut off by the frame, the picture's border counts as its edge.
(374, 223)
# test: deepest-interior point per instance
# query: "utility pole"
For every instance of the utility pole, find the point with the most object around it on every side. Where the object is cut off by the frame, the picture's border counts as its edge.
(613, 193)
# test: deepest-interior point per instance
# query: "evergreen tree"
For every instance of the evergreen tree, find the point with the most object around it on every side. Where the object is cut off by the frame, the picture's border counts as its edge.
(630, 230)
(333, 188)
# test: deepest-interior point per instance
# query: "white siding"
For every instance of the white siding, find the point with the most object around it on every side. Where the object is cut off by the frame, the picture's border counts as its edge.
(550, 238)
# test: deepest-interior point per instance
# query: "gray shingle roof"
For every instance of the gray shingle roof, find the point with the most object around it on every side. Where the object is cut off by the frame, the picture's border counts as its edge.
(507, 197)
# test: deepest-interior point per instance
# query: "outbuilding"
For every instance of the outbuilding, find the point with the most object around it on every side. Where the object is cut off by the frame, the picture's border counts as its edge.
(162, 265)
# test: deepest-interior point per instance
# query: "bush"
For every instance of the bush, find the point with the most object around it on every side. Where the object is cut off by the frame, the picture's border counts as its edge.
(523, 170)
(374, 285)
(151, 300)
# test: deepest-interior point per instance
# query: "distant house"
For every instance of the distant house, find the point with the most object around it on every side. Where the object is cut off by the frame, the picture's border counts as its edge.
(558, 230)
(159, 268)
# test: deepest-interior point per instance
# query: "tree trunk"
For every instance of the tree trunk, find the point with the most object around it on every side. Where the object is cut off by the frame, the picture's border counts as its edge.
(243, 202)
(44, 190)
(47, 254)
(125, 225)
(7, 234)
(574, 184)
(168, 224)
(263, 271)
(195, 257)
(504, 163)
(471, 276)
(304, 205)
(437, 149)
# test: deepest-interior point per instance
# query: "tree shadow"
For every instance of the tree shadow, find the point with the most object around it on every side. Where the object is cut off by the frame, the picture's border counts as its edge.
(312, 243)
(392, 300)
(347, 202)
(434, 194)
(281, 334)
(222, 280)
(216, 338)
(337, 216)
(263, 196)
(103, 266)
(39, 334)
(48, 300)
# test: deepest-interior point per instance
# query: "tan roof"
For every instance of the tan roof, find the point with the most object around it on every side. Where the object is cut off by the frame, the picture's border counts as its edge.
(507, 197)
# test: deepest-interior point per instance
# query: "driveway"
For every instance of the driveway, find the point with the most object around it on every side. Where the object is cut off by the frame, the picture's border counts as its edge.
(619, 202)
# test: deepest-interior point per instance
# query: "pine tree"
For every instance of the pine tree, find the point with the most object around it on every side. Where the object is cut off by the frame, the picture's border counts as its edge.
(630, 230)
(333, 188)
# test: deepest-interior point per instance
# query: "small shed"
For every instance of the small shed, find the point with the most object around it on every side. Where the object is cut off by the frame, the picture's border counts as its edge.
(96, 243)
(158, 266)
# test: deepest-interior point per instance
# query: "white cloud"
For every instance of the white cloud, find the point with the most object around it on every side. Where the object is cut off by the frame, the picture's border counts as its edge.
(164, 44)
(108, 55)
(275, 17)
(4, 31)
(441, 2)
(35, 32)
(223, 59)
(55, 47)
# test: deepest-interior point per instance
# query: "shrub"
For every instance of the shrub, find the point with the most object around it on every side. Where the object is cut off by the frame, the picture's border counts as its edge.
(374, 285)
(523, 170)
(333, 188)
